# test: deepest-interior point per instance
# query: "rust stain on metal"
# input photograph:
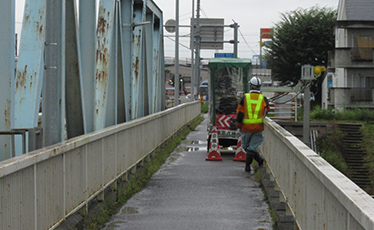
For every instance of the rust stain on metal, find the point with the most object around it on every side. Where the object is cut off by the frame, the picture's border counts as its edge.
(101, 26)
(39, 27)
(40, 30)
(136, 67)
(21, 78)
(7, 114)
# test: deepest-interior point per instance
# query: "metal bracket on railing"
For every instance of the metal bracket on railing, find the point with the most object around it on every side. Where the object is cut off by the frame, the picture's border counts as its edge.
(35, 140)
(133, 25)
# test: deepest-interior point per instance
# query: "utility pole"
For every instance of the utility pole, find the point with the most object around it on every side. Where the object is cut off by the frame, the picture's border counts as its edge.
(236, 26)
(307, 76)
(193, 79)
(197, 36)
(306, 123)
(176, 59)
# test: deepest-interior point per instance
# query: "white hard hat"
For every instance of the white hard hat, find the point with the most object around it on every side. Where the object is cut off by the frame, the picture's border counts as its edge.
(255, 82)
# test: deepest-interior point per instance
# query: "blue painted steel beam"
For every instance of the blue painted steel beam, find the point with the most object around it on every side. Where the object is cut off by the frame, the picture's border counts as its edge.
(156, 66)
(87, 53)
(111, 107)
(158, 55)
(137, 74)
(126, 18)
(29, 74)
(104, 39)
(162, 66)
(73, 89)
(112, 63)
(7, 60)
(151, 86)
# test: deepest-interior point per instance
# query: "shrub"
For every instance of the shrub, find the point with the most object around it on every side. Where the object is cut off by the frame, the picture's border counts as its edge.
(330, 145)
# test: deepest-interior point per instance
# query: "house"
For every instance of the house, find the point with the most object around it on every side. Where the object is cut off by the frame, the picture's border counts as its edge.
(349, 82)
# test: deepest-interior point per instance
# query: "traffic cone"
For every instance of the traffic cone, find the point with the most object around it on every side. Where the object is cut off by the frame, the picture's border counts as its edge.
(240, 154)
(214, 152)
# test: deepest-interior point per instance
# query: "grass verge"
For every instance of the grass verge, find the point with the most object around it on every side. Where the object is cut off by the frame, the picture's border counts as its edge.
(204, 107)
(137, 181)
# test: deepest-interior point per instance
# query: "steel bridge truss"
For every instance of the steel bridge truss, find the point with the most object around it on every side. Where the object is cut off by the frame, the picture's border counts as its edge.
(83, 64)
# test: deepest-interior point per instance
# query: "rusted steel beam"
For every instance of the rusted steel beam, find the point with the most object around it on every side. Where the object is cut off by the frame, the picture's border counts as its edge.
(7, 63)
(29, 73)
(104, 42)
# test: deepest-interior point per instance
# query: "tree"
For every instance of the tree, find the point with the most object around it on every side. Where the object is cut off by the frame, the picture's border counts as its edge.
(303, 36)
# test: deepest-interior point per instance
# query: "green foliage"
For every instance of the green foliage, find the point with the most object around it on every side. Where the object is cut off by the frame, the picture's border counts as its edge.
(330, 145)
(368, 145)
(304, 36)
(352, 115)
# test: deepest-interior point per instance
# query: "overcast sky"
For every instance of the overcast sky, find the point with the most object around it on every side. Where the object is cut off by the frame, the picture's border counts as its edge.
(251, 15)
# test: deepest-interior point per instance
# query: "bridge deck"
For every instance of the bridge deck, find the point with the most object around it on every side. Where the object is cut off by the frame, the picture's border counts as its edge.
(189, 192)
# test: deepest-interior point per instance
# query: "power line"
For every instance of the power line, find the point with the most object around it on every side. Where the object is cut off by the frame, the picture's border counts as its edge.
(180, 43)
(246, 41)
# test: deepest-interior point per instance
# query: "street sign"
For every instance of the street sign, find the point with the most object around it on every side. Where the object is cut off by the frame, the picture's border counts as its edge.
(224, 55)
(170, 25)
(211, 33)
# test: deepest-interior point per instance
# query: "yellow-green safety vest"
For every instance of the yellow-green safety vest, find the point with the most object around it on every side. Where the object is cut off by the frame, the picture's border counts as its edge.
(253, 117)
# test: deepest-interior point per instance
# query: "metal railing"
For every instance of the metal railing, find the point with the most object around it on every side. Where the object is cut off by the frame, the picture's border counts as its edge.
(317, 195)
(34, 139)
(40, 189)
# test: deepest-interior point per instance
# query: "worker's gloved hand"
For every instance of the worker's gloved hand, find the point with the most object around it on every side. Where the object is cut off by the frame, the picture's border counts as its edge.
(239, 125)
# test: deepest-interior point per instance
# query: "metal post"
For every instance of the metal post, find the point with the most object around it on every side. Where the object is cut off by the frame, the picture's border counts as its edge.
(176, 59)
(260, 48)
(296, 109)
(197, 62)
(51, 105)
(193, 79)
(306, 127)
(236, 39)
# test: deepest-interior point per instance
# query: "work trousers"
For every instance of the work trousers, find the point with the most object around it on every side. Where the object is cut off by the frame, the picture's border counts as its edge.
(250, 142)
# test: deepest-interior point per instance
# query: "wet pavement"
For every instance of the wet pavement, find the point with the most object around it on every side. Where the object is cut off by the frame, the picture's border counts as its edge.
(189, 192)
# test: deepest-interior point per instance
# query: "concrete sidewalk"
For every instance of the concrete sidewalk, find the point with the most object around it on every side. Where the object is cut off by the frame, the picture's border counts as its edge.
(190, 193)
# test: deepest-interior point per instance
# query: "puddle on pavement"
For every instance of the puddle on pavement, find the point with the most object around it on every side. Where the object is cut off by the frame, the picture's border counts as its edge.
(115, 225)
(195, 149)
(129, 210)
(193, 142)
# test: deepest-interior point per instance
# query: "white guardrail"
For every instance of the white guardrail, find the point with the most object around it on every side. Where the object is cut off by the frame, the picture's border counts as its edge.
(318, 195)
(40, 189)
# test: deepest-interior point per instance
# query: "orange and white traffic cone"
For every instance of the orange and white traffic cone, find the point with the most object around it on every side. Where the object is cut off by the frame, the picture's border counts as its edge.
(214, 152)
(240, 154)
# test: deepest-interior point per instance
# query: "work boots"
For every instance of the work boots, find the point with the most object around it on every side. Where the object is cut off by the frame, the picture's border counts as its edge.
(258, 158)
(248, 161)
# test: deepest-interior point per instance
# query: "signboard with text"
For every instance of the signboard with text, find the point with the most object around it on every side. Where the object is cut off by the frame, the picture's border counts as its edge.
(266, 33)
(211, 33)
(224, 55)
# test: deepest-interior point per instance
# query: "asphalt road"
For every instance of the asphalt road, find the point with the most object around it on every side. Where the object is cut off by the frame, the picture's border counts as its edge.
(189, 193)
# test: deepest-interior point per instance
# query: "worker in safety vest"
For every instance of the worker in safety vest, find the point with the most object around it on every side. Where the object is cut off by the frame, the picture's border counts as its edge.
(251, 111)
